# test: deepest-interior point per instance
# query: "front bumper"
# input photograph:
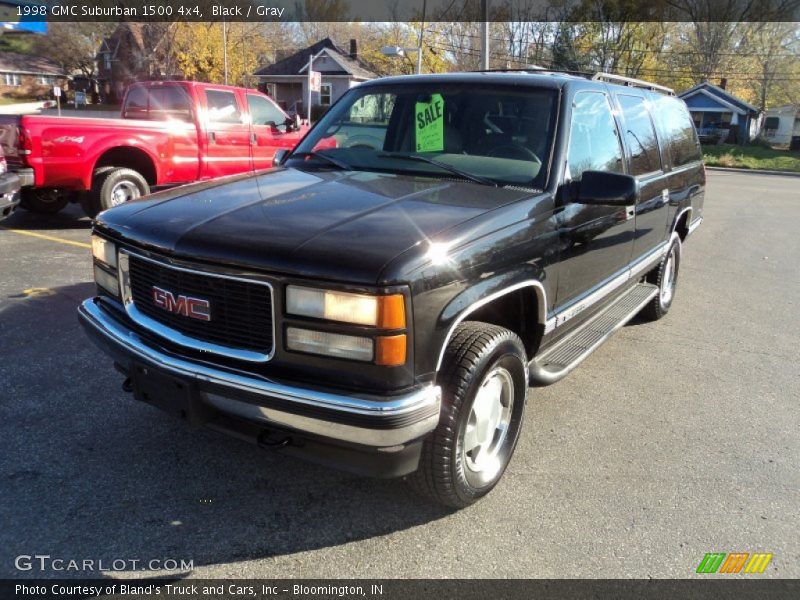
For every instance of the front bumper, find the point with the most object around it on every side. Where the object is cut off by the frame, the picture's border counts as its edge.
(9, 193)
(371, 423)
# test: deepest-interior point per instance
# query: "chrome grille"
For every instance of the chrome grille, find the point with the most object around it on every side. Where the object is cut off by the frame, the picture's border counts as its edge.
(241, 324)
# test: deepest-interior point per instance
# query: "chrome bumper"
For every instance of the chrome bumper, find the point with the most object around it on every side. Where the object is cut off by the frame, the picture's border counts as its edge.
(374, 421)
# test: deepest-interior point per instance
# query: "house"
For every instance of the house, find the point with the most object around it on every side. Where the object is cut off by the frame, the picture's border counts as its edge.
(129, 54)
(287, 80)
(782, 124)
(719, 115)
(27, 76)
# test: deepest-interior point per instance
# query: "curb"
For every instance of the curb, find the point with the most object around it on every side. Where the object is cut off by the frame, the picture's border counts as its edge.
(754, 171)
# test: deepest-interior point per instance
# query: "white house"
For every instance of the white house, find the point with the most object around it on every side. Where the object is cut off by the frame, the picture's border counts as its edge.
(782, 123)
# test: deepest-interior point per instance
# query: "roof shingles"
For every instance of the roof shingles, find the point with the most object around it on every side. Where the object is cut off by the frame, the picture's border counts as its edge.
(11, 62)
(294, 64)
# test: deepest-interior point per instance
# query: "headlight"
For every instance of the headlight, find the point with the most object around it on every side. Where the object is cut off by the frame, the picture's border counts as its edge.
(106, 280)
(329, 344)
(104, 251)
(387, 312)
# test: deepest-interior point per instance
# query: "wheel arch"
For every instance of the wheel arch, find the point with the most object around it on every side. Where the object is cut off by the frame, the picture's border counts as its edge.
(681, 223)
(520, 307)
(129, 157)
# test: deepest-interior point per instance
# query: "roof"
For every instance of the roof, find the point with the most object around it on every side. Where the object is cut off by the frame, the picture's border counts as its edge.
(135, 30)
(11, 62)
(723, 95)
(294, 64)
(543, 79)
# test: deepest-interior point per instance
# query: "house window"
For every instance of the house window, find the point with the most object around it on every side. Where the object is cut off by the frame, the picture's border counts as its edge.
(325, 90)
(12, 79)
(46, 80)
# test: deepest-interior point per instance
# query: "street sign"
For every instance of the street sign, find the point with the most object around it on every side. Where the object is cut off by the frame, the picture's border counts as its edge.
(80, 98)
(315, 81)
(56, 91)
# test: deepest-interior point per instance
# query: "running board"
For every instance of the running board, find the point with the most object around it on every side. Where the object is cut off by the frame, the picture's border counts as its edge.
(556, 362)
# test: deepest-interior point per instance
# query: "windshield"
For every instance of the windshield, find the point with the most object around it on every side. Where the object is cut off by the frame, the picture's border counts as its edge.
(491, 135)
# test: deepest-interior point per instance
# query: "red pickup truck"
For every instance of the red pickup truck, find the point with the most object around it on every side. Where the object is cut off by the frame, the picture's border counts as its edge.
(171, 132)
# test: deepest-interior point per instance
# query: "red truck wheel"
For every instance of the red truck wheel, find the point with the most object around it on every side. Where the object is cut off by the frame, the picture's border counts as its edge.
(43, 201)
(113, 187)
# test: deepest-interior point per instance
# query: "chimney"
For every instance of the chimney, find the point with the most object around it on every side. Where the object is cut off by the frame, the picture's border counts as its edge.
(354, 49)
(723, 83)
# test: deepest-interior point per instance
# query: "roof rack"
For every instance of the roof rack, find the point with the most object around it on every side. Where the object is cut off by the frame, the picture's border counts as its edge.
(536, 70)
(600, 76)
(631, 82)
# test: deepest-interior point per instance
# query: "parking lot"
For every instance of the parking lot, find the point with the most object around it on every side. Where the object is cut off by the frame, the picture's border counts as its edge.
(676, 438)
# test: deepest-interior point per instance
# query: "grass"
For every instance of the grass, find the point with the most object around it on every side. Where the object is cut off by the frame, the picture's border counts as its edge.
(751, 157)
(6, 100)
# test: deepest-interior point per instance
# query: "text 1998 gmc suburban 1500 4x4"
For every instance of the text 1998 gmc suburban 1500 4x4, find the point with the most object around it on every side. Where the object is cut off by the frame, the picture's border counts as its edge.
(170, 133)
(384, 306)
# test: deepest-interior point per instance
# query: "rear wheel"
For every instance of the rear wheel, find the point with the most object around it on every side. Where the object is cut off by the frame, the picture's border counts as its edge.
(484, 385)
(112, 187)
(42, 200)
(665, 276)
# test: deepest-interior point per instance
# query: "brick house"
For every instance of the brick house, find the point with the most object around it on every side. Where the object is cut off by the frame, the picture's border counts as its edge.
(26, 76)
(129, 54)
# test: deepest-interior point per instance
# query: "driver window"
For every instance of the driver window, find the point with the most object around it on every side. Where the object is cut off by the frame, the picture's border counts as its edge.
(594, 143)
(365, 124)
(264, 112)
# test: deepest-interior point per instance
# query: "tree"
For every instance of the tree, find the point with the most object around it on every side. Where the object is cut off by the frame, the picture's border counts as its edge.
(198, 52)
(73, 46)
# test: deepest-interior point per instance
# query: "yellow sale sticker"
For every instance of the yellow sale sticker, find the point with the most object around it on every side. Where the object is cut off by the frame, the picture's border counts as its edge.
(429, 129)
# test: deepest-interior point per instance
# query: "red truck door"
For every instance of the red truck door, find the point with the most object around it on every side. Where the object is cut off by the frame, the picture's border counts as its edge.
(227, 135)
(268, 130)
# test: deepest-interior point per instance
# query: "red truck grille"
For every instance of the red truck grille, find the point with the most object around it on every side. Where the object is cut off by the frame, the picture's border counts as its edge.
(240, 310)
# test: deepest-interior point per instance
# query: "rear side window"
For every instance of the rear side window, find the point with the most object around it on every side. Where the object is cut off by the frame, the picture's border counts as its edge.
(678, 128)
(594, 143)
(136, 104)
(170, 103)
(640, 135)
(158, 104)
(222, 107)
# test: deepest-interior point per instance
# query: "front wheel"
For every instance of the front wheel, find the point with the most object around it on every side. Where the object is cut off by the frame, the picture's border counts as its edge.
(484, 383)
(112, 187)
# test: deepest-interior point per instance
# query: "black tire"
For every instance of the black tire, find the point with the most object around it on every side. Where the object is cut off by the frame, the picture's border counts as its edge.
(474, 354)
(661, 277)
(46, 202)
(104, 184)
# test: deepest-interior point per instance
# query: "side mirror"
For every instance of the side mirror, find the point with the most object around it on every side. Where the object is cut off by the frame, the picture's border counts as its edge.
(611, 189)
(280, 157)
(293, 123)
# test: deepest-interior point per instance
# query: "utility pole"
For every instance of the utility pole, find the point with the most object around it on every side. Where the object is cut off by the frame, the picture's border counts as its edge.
(421, 32)
(485, 35)
(225, 48)
(310, 65)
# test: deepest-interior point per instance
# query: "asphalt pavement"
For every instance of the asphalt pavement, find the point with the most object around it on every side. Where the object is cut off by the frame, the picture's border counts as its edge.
(674, 439)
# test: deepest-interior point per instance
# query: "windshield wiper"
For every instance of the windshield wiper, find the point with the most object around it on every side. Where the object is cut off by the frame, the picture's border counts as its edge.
(442, 165)
(333, 161)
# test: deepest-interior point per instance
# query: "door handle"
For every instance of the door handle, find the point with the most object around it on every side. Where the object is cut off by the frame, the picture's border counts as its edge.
(213, 137)
(253, 137)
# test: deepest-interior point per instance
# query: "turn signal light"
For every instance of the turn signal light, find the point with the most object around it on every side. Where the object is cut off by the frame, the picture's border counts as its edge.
(391, 312)
(390, 350)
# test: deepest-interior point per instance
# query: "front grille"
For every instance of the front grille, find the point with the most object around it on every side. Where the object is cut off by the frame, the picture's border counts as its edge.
(241, 311)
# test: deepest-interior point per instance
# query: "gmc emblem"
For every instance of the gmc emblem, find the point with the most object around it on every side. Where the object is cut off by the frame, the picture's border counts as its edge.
(194, 308)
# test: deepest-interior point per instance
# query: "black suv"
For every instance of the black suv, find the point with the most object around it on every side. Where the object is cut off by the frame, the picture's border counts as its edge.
(382, 299)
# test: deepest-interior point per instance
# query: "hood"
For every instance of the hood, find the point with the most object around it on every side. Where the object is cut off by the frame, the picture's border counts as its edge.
(333, 225)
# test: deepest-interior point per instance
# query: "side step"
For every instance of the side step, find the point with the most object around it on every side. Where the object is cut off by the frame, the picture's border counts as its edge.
(556, 362)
